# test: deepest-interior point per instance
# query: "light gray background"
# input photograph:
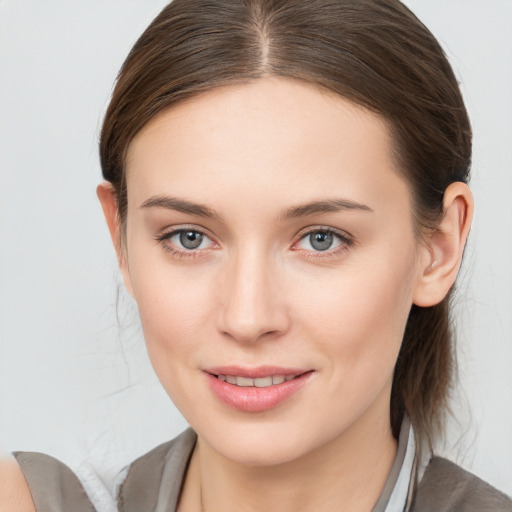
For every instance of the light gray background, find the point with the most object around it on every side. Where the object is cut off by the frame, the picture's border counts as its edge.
(76, 385)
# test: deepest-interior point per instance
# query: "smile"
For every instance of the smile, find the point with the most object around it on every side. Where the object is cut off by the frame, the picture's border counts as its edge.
(261, 382)
(256, 390)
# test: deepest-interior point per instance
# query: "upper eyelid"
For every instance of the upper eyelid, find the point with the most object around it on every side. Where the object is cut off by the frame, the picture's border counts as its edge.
(170, 231)
(314, 229)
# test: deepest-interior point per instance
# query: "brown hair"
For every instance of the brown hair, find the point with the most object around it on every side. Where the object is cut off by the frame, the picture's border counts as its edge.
(373, 52)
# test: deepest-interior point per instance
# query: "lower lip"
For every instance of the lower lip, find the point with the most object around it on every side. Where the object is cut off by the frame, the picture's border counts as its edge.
(253, 399)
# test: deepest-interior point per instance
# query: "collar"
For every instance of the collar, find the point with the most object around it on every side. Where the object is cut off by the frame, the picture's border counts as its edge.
(398, 490)
(154, 480)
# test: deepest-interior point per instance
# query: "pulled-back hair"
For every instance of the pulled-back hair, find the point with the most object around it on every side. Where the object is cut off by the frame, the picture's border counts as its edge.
(375, 53)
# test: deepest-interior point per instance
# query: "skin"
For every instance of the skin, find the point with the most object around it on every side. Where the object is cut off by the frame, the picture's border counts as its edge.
(256, 292)
(14, 492)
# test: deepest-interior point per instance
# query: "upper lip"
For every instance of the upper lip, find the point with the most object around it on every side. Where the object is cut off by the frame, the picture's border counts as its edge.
(255, 371)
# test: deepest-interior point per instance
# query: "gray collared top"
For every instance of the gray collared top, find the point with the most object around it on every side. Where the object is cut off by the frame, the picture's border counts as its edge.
(154, 481)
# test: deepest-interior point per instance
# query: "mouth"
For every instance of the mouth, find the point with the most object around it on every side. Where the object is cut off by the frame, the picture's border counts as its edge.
(259, 382)
(256, 390)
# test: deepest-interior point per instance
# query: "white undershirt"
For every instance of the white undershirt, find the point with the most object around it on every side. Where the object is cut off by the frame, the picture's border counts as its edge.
(398, 502)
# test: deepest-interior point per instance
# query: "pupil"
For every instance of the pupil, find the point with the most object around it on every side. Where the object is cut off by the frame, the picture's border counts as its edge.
(321, 241)
(191, 239)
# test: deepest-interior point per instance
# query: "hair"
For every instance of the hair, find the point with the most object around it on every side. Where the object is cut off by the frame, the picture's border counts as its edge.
(375, 53)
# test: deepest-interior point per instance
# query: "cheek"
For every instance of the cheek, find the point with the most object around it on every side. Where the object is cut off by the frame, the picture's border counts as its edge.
(175, 305)
(359, 316)
(174, 308)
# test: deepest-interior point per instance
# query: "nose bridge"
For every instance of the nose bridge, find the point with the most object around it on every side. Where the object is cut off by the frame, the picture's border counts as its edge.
(251, 305)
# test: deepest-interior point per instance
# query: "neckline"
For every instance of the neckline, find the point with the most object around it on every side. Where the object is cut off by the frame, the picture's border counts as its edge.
(155, 480)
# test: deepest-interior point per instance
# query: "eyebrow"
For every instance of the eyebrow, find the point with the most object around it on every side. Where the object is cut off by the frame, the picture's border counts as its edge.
(180, 205)
(303, 210)
(326, 206)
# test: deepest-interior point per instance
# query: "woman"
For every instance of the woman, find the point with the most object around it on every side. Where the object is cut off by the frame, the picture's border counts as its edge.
(286, 192)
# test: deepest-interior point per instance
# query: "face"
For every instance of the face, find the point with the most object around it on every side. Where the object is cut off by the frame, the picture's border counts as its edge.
(270, 247)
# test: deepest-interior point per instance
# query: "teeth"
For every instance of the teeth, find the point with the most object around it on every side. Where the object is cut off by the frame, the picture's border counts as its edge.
(244, 382)
(260, 382)
(263, 382)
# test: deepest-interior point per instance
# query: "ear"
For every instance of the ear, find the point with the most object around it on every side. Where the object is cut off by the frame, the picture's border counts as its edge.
(107, 197)
(442, 256)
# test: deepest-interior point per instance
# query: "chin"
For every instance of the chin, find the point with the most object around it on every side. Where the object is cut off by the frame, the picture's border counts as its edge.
(268, 443)
(260, 452)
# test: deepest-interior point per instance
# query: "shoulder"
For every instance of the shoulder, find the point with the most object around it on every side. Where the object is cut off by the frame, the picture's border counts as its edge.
(14, 491)
(50, 484)
(447, 487)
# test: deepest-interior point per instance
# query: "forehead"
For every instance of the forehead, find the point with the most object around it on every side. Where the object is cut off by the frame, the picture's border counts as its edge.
(277, 137)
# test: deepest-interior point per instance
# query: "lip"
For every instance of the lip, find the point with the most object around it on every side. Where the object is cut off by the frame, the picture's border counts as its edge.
(256, 372)
(254, 399)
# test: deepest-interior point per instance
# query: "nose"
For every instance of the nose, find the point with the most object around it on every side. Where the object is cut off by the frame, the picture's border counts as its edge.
(252, 302)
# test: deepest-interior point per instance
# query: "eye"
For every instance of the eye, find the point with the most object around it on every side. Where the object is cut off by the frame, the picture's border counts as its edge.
(189, 239)
(186, 240)
(323, 240)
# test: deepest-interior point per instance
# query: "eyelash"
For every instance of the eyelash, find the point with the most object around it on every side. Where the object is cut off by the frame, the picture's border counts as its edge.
(346, 241)
(164, 239)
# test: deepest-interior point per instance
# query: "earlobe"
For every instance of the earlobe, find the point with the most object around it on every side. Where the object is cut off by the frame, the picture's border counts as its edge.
(442, 255)
(107, 196)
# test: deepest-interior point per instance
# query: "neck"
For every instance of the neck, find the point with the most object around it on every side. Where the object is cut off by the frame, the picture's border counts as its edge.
(350, 470)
